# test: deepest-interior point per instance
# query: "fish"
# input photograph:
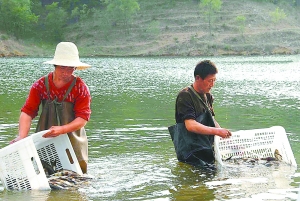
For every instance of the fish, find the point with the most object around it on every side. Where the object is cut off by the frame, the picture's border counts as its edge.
(65, 172)
(227, 159)
(67, 179)
(49, 169)
(241, 161)
(63, 179)
(268, 159)
(238, 160)
(277, 155)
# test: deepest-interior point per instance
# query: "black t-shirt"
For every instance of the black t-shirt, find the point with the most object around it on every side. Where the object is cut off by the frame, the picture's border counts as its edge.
(190, 147)
(188, 105)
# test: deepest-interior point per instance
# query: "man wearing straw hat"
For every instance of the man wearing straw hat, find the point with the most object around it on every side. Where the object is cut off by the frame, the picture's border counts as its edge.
(65, 100)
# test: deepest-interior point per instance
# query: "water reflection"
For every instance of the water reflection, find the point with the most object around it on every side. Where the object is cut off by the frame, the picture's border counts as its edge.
(189, 183)
(240, 181)
(129, 175)
(131, 153)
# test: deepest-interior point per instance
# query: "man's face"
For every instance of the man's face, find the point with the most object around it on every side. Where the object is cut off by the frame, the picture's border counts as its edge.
(205, 85)
(64, 72)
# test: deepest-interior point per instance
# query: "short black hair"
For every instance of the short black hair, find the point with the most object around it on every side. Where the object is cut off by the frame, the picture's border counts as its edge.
(205, 68)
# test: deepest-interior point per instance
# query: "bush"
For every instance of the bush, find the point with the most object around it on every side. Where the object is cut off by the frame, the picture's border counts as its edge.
(4, 37)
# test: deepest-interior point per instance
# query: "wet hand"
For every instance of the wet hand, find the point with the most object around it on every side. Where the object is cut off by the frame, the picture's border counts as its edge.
(15, 140)
(54, 131)
(225, 133)
(229, 134)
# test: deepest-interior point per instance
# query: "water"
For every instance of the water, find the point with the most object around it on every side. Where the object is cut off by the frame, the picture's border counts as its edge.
(131, 154)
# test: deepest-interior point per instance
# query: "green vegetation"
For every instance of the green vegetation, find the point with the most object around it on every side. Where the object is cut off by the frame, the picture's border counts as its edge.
(210, 8)
(121, 11)
(142, 27)
(16, 18)
(277, 15)
(55, 20)
(241, 21)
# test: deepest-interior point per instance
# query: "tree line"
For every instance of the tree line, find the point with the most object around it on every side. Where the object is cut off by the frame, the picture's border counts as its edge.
(45, 20)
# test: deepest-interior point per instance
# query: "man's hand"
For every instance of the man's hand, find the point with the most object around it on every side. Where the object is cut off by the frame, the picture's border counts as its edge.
(54, 131)
(15, 140)
(224, 133)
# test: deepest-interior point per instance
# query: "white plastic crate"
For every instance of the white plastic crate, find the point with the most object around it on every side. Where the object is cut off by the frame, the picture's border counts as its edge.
(58, 149)
(258, 143)
(20, 163)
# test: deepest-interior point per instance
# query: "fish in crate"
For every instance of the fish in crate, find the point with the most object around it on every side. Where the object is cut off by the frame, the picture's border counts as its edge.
(64, 179)
(259, 146)
(250, 161)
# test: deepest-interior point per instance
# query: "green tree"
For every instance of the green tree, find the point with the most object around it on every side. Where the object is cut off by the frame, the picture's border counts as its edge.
(36, 7)
(84, 13)
(241, 22)
(16, 17)
(121, 11)
(54, 22)
(69, 5)
(210, 7)
(77, 10)
(277, 15)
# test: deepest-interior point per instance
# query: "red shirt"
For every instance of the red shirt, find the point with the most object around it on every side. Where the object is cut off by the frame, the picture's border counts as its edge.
(79, 96)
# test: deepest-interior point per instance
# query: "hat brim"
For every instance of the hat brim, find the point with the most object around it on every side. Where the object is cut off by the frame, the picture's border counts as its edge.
(79, 65)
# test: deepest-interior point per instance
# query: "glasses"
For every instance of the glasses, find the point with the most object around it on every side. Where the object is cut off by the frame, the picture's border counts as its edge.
(66, 68)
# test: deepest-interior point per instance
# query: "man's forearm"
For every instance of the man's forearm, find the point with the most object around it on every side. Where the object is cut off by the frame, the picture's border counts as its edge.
(24, 125)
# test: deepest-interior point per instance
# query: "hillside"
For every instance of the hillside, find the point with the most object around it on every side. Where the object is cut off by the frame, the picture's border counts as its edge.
(180, 28)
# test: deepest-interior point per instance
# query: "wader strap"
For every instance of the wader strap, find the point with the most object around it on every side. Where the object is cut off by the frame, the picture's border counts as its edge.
(55, 100)
(68, 91)
(47, 86)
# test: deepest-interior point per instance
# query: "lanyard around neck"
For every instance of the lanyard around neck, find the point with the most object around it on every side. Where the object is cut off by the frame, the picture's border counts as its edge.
(205, 104)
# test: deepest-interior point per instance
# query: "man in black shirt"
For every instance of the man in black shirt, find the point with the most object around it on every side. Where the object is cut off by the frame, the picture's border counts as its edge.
(196, 125)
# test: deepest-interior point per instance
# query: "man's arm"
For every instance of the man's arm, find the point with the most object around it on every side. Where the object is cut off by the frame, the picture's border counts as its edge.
(198, 128)
(74, 125)
(24, 127)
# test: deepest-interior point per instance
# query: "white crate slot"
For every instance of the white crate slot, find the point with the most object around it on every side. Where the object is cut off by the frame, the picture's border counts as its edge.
(58, 149)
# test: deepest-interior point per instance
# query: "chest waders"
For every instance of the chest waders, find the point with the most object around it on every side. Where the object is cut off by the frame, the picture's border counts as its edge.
(56, 113)
(192, 148)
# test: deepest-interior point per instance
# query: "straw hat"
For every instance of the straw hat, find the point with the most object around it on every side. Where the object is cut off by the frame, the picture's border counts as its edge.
(66, 54)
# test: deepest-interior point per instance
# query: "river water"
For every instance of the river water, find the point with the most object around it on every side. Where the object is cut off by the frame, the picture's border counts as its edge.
(131, 154)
